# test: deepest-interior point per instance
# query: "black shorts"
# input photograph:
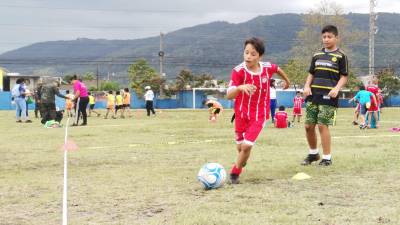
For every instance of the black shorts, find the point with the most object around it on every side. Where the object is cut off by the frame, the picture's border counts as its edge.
(91, 106)
(118, 107)
(126, 105)
(216, 111)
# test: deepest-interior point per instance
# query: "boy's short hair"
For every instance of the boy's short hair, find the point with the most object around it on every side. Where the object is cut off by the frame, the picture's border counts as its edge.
(67, 91)
(89, 93)
(118, 93)
(110, 92)
(209, 105)
(330, 29)
(298, 92)
(361, 87)
(257, 43)
(281, 108)
(126, 89)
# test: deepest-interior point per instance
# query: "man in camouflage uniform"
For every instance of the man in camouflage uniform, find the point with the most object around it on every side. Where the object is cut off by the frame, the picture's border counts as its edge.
(47, 100)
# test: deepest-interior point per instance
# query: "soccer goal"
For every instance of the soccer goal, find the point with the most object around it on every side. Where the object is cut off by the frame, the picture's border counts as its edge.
(208, 93)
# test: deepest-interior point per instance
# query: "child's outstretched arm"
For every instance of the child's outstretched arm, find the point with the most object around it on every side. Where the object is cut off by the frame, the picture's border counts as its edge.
(283, 75)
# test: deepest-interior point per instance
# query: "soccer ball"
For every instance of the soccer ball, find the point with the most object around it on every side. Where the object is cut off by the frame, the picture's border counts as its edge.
(212, 175)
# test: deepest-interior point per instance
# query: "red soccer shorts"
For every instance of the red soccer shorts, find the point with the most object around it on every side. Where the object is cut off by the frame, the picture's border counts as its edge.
(247, 130)
(297, 111)
(373, 107)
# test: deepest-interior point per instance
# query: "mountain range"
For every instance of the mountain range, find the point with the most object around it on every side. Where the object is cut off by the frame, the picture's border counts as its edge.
(212, 48)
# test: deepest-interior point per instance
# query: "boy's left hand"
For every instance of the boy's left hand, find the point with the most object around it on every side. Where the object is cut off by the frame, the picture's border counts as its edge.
(333, 93)
(286, 85)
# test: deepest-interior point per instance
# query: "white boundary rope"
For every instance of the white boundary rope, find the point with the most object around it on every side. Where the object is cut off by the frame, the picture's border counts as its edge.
(65, 207)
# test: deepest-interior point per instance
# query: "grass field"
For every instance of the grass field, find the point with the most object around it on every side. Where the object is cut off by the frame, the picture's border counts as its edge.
(143, 171)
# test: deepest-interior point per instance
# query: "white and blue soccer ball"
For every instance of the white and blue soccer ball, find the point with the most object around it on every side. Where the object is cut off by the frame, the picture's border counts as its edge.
(212, 175)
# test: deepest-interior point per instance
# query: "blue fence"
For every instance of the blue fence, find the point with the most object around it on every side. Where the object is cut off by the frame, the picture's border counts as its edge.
(184, 99)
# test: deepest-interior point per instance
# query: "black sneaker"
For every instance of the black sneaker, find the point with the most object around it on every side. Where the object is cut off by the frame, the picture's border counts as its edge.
(74, 124)
(355, 123)
(83, 124)
(325, 162)
(310, 158)
(234, 178)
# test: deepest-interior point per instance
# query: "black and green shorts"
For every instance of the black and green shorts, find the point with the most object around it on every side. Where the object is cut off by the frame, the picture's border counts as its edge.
(320, 114)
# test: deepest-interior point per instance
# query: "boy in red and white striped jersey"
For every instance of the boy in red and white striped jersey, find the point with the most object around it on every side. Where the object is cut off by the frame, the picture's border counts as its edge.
(249, 86)
(297, 103)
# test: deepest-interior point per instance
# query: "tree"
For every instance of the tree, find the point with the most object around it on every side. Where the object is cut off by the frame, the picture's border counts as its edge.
(353, 81)
(389, 81)
(88, 76)
(309, 38)
(295, 71)
(142, 74)
(109, 86)
(184, 79)
(204, 80)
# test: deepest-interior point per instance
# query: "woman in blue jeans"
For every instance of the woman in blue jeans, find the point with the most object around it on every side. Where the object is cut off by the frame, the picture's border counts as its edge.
(273, 102)
(19, 95)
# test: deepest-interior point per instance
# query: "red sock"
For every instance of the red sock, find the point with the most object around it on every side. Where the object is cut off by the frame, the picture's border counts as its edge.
(236, 170)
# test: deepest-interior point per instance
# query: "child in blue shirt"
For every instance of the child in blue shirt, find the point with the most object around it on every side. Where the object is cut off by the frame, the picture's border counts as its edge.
(364, 99)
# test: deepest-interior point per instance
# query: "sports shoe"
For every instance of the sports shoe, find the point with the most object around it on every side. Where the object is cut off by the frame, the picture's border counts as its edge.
(355, 123)
(19, 121)
(310, 158)
(83, 124)
(325, 162)
(28, 121)
(234, 178)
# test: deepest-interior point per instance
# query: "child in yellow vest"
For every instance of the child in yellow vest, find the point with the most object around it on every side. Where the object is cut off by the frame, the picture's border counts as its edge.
(119, 104)
(110, 105)
(92, 102)
(127, 103)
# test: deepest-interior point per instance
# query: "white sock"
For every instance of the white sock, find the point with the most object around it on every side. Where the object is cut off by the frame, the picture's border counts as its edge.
(327, 157)
(314, 151)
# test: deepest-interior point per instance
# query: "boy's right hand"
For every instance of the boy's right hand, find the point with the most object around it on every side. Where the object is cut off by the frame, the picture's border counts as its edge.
(307, 91)
(248, 88)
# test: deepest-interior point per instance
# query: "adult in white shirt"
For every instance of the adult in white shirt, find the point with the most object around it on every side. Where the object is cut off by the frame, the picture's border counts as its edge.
(149, 97)
(272, 96)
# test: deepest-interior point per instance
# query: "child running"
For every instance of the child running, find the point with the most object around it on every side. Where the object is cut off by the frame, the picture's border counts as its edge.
(110, 105)
(249, 86)
(127, 103)
(92, 103)
(364, 98)
(119, 104)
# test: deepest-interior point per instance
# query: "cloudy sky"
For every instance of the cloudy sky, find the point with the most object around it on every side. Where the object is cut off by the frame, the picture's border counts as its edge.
(24, 22)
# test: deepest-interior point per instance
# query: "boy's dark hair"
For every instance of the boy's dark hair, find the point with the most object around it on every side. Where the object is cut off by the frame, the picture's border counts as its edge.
(281, 108)
(297, 92)
(75, 77)
(272, 83)
(209, 105)
(126, 89)
(118, 93)
(19, 80)
(89, 93)
(110, 92)
(67, 91)
(257, 43)
(330, 29)
(361, 87)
